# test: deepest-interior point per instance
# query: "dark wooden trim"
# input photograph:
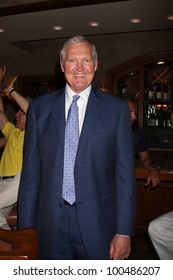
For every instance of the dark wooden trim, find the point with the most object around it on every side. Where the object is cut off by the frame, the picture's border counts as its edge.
(48, 5)
(143, 59)
(135, 63)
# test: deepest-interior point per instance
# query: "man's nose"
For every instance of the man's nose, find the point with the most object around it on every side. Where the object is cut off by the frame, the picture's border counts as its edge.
(80, 65)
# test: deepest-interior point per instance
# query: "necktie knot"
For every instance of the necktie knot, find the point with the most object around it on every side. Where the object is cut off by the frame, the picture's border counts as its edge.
(75, 98)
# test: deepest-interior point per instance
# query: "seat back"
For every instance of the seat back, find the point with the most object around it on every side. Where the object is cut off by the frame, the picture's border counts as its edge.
(19, 244)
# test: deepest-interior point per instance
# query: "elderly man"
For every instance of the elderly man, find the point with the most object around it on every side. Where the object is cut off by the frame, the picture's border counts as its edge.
(78, 182)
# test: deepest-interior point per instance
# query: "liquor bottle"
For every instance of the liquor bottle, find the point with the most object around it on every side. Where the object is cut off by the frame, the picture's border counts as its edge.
(158, 91)
(152, 116)
(156, 116)
(159, 115)
(165, 116)
(148, 114)
(150, 92)
(123, 88)
(165, 92)
(168, 119)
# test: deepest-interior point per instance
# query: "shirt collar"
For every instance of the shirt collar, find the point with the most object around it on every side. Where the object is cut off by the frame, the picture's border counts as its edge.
(84, 95)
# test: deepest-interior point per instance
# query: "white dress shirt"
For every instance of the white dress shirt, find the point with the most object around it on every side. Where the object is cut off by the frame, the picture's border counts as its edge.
(81, 102)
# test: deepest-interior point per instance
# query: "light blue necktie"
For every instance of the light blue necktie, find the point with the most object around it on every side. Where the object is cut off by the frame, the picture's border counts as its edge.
(70, 150)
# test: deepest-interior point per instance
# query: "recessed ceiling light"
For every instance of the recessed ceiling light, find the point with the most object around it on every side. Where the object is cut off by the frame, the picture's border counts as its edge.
(170, 17)
(57, 27)
(160, 62)
(2, 30)
(94, 23)
(135, 20)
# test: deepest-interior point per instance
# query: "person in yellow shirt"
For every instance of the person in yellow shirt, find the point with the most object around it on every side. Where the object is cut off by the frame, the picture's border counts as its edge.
(12, 157)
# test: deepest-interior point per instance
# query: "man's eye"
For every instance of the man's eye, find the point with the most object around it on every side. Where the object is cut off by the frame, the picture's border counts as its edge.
(86, 60)
(72, 61)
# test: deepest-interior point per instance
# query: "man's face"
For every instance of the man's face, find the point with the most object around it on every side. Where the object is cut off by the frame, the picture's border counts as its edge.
(132, 111)
(79, 67)
(20, 120)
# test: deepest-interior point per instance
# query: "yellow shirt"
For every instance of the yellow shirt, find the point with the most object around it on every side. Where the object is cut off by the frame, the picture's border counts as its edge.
(12, 157)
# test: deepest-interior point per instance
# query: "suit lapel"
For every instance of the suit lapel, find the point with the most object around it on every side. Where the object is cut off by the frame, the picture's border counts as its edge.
(93, 108)
(58, 115)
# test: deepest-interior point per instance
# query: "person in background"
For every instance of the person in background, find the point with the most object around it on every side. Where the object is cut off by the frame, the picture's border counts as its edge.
(141, 147)
(12, 156)
(100, 221)
(161, 234)
(160, 229)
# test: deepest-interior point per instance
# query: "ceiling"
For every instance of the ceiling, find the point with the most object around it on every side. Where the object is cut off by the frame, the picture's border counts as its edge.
(24, 26)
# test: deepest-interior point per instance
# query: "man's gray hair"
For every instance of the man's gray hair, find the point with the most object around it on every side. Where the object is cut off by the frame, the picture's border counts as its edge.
(77, 39)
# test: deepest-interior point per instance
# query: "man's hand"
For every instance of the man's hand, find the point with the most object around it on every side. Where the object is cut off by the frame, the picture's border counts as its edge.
(153, 178)
(10, 85)
(120, 247)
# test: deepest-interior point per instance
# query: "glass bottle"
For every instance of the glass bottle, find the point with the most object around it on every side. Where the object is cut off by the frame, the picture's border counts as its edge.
(159, 115)
(148, 114)
(164, 115)
(123, 88)
(165, 92)
(150, 92)
(158, 91)
(152, 116)
(156, 117)
(168, 119)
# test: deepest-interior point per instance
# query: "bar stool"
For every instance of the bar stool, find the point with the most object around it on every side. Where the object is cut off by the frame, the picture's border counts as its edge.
(20, 244)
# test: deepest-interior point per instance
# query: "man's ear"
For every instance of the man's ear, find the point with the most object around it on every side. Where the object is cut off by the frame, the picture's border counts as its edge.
(96, 65)
(62, 66)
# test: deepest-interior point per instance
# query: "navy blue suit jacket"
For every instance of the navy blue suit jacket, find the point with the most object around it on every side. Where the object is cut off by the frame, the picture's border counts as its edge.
(104, 172)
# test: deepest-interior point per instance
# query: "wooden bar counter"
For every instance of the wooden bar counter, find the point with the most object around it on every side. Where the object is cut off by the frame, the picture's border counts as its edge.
(153, 203)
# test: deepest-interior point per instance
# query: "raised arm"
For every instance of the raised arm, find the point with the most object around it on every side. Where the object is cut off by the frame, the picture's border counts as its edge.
(20, 100)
